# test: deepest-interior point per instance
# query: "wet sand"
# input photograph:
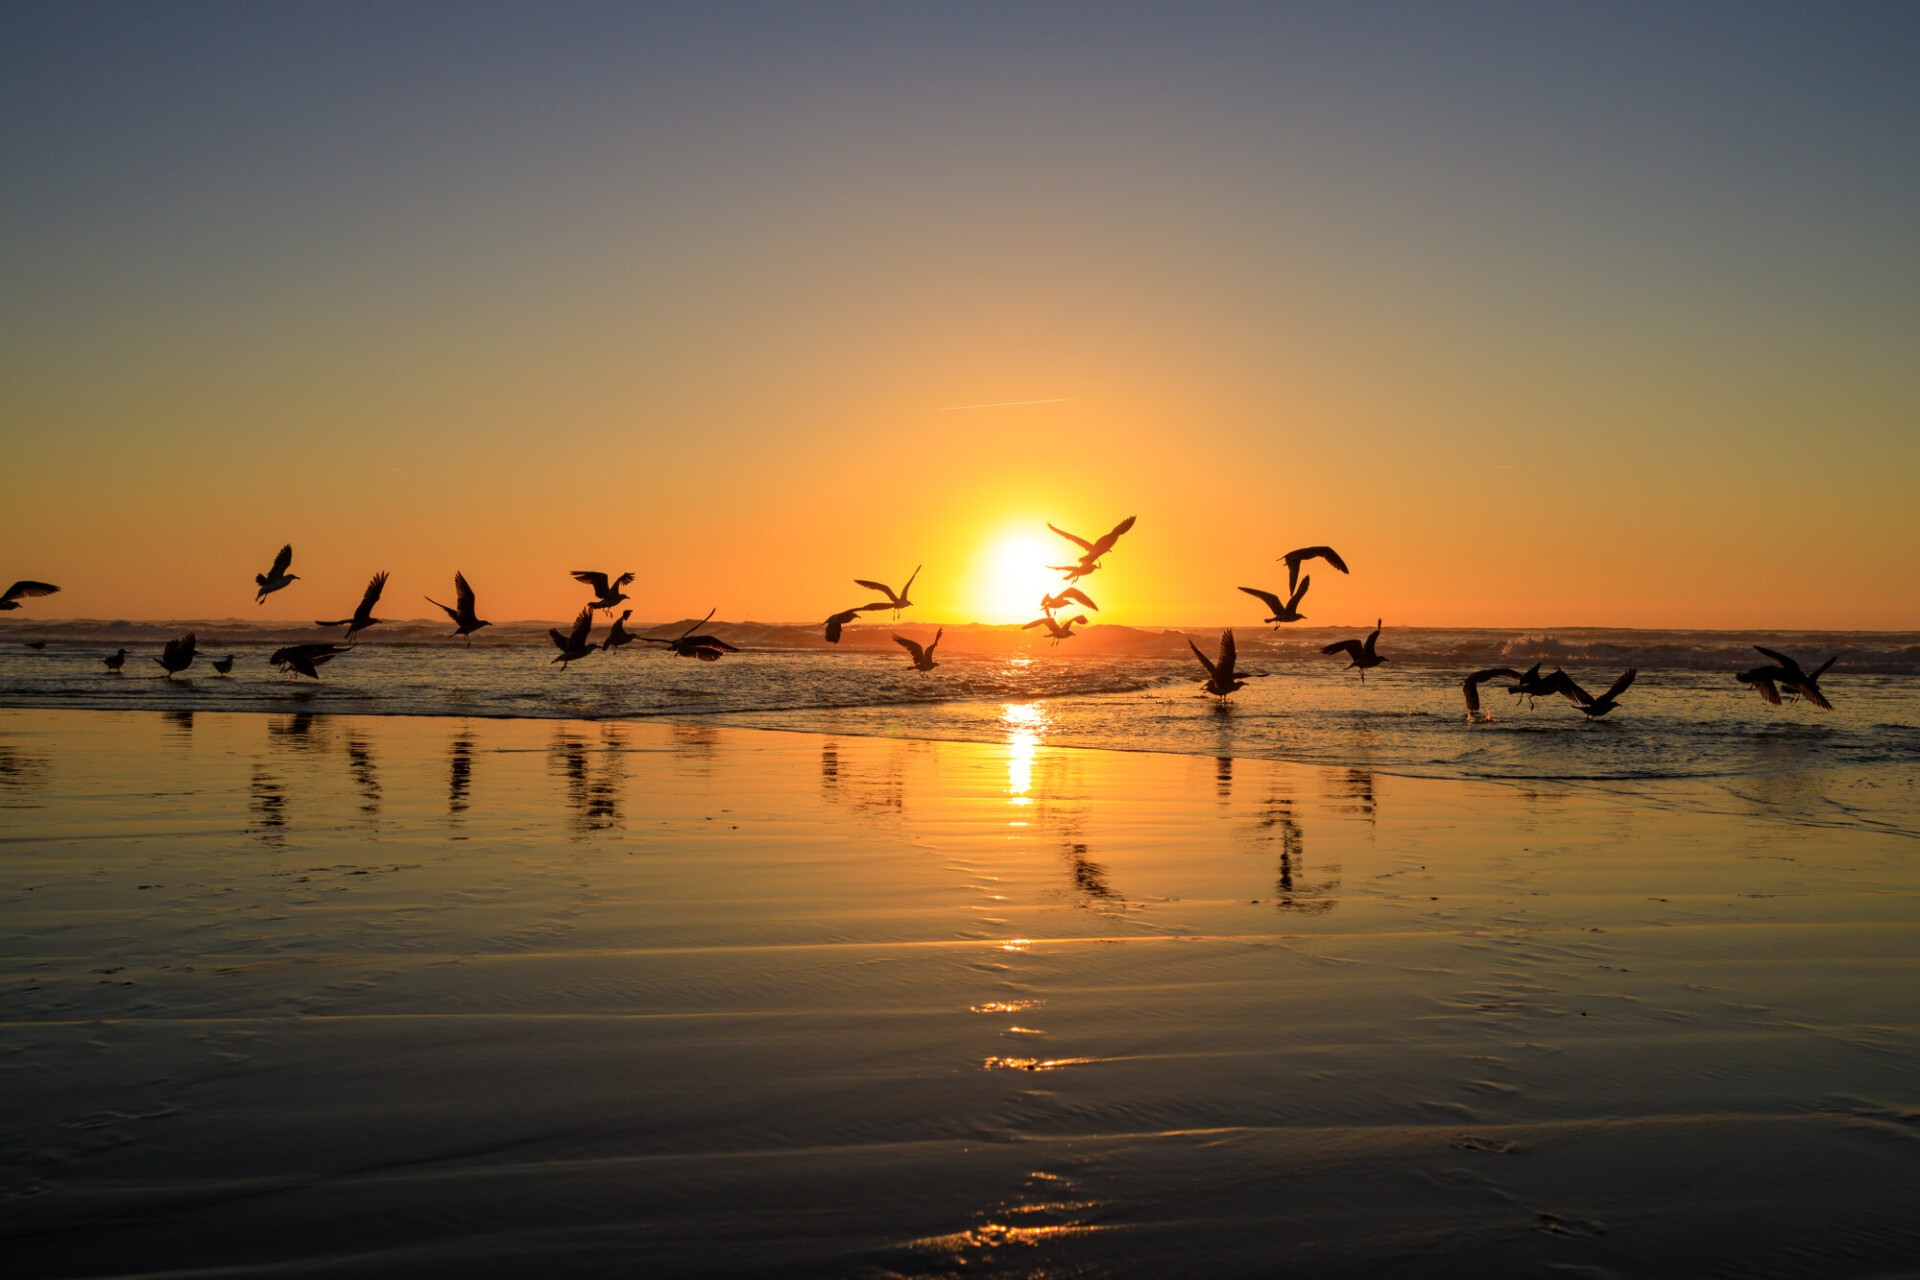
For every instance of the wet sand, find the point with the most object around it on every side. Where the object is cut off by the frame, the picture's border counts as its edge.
(378, 996)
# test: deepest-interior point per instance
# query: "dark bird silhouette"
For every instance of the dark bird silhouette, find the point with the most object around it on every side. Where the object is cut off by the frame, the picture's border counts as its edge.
(306, 659)
(688, 645)
(223, 665)
(277, 577)
(1092, 551)
(618, 634)
(1058, 630)
(1765, 681)
(1597, 707)
(1361, 652)
(1222, 678)
(24, 589)
(574, 645)
(1282, 610)
(1804, 683)
(606, 594)
(922, 658)
(363, 616)
(845, 616)
(1471, 686)
(116, 662)
(465, 620)
(1294, 559)
(894, 602)
(178, 655)
(1074, 594)
(1532, 685)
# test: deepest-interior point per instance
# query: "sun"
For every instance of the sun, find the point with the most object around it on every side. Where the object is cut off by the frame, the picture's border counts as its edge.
(1011, 576)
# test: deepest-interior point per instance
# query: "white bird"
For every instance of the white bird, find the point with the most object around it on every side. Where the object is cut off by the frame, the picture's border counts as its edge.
(277, 577)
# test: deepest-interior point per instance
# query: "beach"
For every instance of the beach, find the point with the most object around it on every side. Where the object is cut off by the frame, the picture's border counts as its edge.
(291, 995)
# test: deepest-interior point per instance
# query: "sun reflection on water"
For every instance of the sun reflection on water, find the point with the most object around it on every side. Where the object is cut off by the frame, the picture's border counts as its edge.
(1023, 722)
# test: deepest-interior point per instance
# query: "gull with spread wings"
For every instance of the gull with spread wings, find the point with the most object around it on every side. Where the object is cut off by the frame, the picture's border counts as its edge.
(1074, 594)
(306, 659)
(892, 601)
(1223, 680)
(1795, 680)
(1282, 610)
(1361, 652)
(24, 588)
(1091, 551)
(178, 655)
(465, 620)
(689, 645)
(1471, 686)
(1294, 557)
(277, 577)
(363, 616)
(1057, 629)
(922, 657)
(607, 593)
(574, 645)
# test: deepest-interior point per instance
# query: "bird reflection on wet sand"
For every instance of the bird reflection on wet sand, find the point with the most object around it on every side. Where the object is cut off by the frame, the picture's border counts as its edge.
(366, 775)
(459, 774)
(267, 808)
(595, 776)
(1278, 829)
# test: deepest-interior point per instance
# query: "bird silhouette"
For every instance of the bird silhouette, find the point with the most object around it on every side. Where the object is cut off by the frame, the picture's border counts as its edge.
(1074, 594)
(1804, 683)
(465, 620)
(845, 616)
(894, 602)
(1057, 629)
(607, 594)
(618, 634)
(922, 658)
(1222, 679)
(178, 655)
(116, 662)
(277, 577)
(223, 665)
(1532, 685)
(1282, 610)
(363, 616)
(1471, 686)
(1765, 681)
(306, 659)
(1597, 707)
(1361, 652)
(688, 645)
(574, 645)
(1091, 552)
(1295, 557)
(23, 589)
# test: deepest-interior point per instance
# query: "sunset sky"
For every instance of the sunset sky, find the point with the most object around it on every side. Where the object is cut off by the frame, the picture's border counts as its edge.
(1542, 315)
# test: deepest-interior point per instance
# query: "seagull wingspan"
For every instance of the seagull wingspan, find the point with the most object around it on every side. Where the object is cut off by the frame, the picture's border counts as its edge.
(1205, 661)
(911, 647)
(27, 587)
(1267, 597)
(281, 561)
(1074, 538)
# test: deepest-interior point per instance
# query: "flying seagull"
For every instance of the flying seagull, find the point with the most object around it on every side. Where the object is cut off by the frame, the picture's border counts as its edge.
(277, 577)
(1804, 683)
(607, 594)
(306, 659)
(845, 616)
(223, 665)
(116, 662)
(1597, 707)
(24, 588)
(618, 634)
(1091, 551)
(363, 616)
(1058, 630)
(1282, 610)
(1471, 686)
(1765, 681)
(465, 620)
(922, 658)
(894, 602)
(688, 645)
(1294, 558)
(1075, 594)
(178, 655)
(1362, 653)
(574, 645)
(1222, 679)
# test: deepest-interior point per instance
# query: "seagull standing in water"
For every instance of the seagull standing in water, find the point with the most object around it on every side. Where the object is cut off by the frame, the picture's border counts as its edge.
(1222, 680)
(223, 665)
(1091, 551)
(24, 588)
(688, 645)
(1057, 629)
(922, 658)
(116, 662)
(1295, 557)
(1362, 653)
(178, 655)
(574, 645)
(1282, 610)
(277, 577)
(894, 602)
(1794, 680)
(465, 620)
(607, 594)
(363, 616)
(1471, 686)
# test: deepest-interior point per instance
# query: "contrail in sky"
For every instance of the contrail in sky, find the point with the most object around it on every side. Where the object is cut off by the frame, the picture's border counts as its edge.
(1002, 404)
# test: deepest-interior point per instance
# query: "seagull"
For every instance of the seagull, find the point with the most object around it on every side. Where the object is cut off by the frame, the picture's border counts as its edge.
(894, 602)
(23, 588)
(922, 658)
(1222, 680)
(465, 620)
(845, 616)
(1806, 684)
(1075, 594)
(363, 616)
(1765, 681)
(1362, 653)
(178, 655)
(1092, 551)
(688, 645)
(574, 645)
(608, 593)
(1597, 707)
(223, 665)
(1293, 559)
(1059, 630)
(1472, 687)
(306, 659)
(116, 662)
(277, 577)
(618, 634)
(1289, 611)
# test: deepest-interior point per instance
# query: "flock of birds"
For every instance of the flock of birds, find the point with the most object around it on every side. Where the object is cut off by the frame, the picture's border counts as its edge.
(1783, 677)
